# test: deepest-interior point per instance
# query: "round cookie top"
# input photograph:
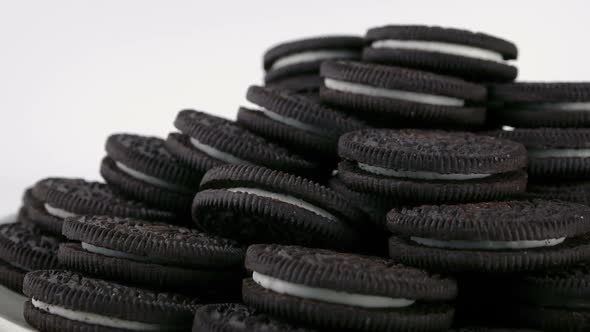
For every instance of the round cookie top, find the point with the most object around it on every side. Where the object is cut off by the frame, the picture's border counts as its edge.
(541, 92)
(446, 35)
(310, 113)
(229, 137)
(398, 78)
(548, 138)
(311, 44)
(243, 176)
(433, 151)
(148, 155)
(573, 191)
(92, 198)
(24, 246)
(566, 287)
(158, 241)
(235, 317)
(496, 221)
(73, 291)
(347, 272)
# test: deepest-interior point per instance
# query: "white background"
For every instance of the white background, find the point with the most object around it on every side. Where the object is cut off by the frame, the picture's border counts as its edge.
(71, 72)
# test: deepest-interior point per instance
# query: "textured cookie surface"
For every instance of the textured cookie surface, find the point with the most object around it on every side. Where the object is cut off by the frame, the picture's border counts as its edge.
(572, 191)
(109, 299)
(158, 241)
(537, 92)
(24, 246)
(440, 59)
(436, 151)
(348, 273)
(499, 221)
(234, 317)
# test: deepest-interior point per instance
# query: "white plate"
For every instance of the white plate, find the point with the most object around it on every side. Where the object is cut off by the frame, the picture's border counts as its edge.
(11, 304)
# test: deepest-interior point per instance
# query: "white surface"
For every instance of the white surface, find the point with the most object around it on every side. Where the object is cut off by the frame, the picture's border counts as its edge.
(487, 245)
(73, 71)
(328, 295)
(12, 304)
(448, 48)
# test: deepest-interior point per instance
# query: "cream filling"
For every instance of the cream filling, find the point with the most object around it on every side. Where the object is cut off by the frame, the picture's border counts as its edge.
(441, 47)
(218, 154)
(57, 212)
(487, 245)
(577, 106)
(152, 180)
(119, 254)
(312, 56)
(421, 175)
(291, 122)
(95, 319)
(328, 295)
(416, 97)
(285, 199)
(559, 153)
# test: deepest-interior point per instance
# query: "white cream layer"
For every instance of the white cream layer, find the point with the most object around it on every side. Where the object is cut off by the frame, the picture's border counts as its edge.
(285, 199)
(218, 154)
(312, 56)
(440, 47)
(559, 153)
(291, 122)
(119, 254)
(57, 212)
(95, 319)
(372, 91)
(487, 245)
(420, 175)
(577, 106)
(328, 295)
(152, 180)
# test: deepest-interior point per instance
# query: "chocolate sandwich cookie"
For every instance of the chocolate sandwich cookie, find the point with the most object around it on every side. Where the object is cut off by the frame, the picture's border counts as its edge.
(309, 83)
(151, 254)
(297, 122)
(235, 317)
(540, 104)
(24, 248)
(556, 300)
(304, 57)
(208, 141)
(474, 56)
(571, 191)
(52, 200)
(508, 236)
(141, 168)
(554, 152)
(257, 205)
(64, 301)
(340, 291)
(400, 97)
(417, 166)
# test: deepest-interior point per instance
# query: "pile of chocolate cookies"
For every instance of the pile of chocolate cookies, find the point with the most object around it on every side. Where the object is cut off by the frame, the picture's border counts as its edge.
(400, 181)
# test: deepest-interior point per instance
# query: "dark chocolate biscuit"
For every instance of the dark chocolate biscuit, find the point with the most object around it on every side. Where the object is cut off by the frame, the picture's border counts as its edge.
(154, 255)
(474, 56)
(509, 236)
(554, 300)
(572, 191)
(417, 166)
(209, 141)
(52, 200)
(553, 152)
(235, 317)
(64, 301)
(309, 83)
(540, 104)
(297, 122)
(342, 291)
(24, 248)
(304, 56)
(255, 204)
(141, 168)
(393, 97)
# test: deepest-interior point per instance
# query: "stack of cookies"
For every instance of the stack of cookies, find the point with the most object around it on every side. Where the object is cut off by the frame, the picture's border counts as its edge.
(367, 188)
